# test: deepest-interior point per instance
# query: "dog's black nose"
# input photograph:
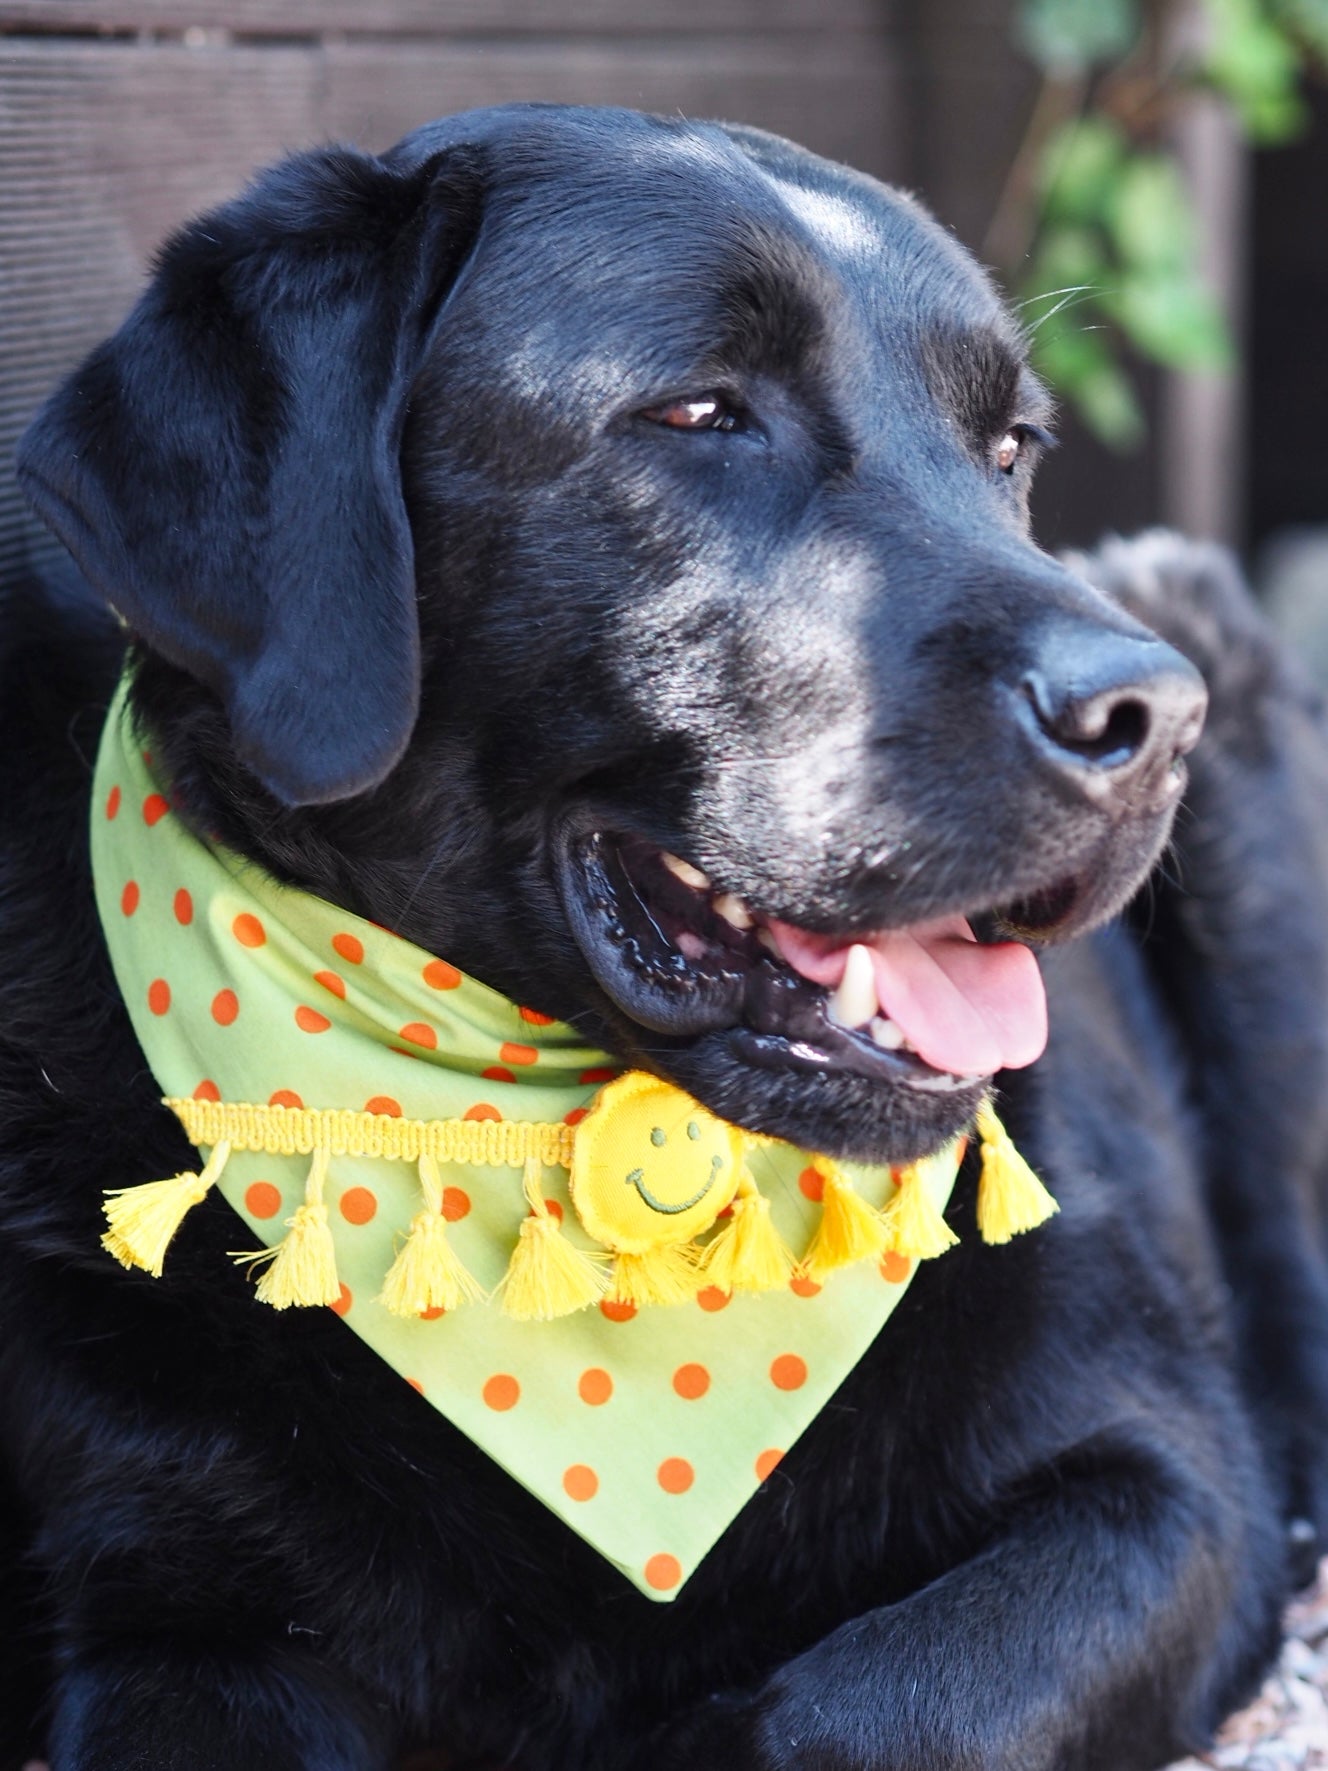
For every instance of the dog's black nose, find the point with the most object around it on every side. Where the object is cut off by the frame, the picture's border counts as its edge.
(1114, 713)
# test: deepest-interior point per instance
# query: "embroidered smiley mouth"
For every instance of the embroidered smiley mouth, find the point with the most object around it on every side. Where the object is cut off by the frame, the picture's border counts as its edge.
(637, 1179)
(937, 1005)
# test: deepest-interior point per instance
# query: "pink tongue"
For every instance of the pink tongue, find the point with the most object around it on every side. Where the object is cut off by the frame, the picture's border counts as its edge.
(963, 1007)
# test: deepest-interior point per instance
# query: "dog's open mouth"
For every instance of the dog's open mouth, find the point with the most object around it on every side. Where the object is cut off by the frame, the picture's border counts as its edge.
(936, 1005)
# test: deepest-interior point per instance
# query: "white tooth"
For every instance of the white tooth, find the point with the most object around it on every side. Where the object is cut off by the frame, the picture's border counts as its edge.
(768, 941)
(854, 1001)
(735, 913)
(886, 1033)
(683, 870)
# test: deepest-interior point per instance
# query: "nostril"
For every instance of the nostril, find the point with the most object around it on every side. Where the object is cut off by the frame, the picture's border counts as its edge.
(1106, 729)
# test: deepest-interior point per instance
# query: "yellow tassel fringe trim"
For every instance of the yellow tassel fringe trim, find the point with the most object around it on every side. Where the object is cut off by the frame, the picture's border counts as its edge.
(850, 1230)
(748, 1254)
(1011, 1198)
(302, 1268)
(548, 1275)
(428, 1273)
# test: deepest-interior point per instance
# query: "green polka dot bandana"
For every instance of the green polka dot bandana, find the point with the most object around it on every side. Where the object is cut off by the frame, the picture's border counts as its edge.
(645, 1430)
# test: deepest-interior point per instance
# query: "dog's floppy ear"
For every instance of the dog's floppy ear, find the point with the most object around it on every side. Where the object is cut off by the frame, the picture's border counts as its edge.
(224, 469)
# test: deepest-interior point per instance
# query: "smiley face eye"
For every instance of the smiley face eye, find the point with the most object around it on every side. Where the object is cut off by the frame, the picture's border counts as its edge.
(702, 412)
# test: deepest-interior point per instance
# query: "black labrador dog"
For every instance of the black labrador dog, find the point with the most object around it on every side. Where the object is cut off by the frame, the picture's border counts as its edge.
(486, 521)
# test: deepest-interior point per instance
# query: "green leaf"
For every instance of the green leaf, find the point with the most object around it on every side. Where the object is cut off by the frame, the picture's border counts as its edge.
(1068, 259)
(1069, 36)
(1150, 216)
(1107, 404)
(1080, 365)
(1079, 167)
(1306, 20)
(1174, 320)
(1257, 66)
(1082, 368)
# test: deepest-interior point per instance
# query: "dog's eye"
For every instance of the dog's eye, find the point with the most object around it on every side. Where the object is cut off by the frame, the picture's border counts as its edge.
(1007, 450)
(704, 412)
(1022, 442)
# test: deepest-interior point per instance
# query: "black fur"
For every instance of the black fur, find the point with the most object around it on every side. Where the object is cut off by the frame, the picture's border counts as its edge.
(1044, 1523)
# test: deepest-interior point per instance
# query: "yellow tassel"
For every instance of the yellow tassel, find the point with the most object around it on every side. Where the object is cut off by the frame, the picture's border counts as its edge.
(1011, 1198)
(428, 1273)
(748, 1254)
(547, 1275)
(144, 1219)
(303, 1266)
(913, 1225)
(667, 1275)
(850, 1230)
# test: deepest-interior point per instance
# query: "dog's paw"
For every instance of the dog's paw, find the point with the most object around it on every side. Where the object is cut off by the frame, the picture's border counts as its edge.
(1192, 594)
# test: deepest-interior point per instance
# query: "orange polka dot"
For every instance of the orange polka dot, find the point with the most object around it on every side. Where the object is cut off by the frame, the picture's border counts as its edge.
(803, 1287)
(184, 908)
(350, 948)
(112, 802)
(415, 1384)
(713, 1297)
(225, 1007)
(602, 1074)
(129, 898)
(330, 981)
(308, 1020)
(496, 1073)
(575, 1116)
(207, 1090)
(159, 996)
(501, 1392)
(358, 1205)
(895, 1267)
(345, 1301)
(616, 1312)
(594, 1386)
(788, 1372)
(440, 975)
(554, 1209)
(383, 1104)
(535, 1018)
(675, 1475)
(155, 808)
(419, 1034)
(811, 1184)
(766, 1462)
(691, 1381)
(663, 1572)
(432, 1315)
(248, 931)
(456, 1204)
(961, 1150)
(481, 1110)
(285, 1097)
(511, 1053)
(263, 1199)
(580, 1482)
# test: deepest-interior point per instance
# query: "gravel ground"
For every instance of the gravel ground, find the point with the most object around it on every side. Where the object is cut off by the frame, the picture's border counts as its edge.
(1286, 1727)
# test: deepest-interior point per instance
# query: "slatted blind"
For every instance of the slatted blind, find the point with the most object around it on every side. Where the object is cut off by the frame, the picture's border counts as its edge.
(120, 118)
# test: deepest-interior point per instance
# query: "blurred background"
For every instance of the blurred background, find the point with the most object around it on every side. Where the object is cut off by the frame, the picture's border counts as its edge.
(1147, 178)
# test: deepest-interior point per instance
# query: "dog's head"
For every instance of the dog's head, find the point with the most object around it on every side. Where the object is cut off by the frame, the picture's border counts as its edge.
(597, 547)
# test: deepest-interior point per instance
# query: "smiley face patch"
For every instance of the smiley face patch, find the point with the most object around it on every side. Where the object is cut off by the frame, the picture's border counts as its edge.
(651, 1167)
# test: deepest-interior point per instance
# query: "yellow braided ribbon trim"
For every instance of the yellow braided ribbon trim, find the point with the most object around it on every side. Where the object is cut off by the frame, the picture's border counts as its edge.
(300, 1131)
